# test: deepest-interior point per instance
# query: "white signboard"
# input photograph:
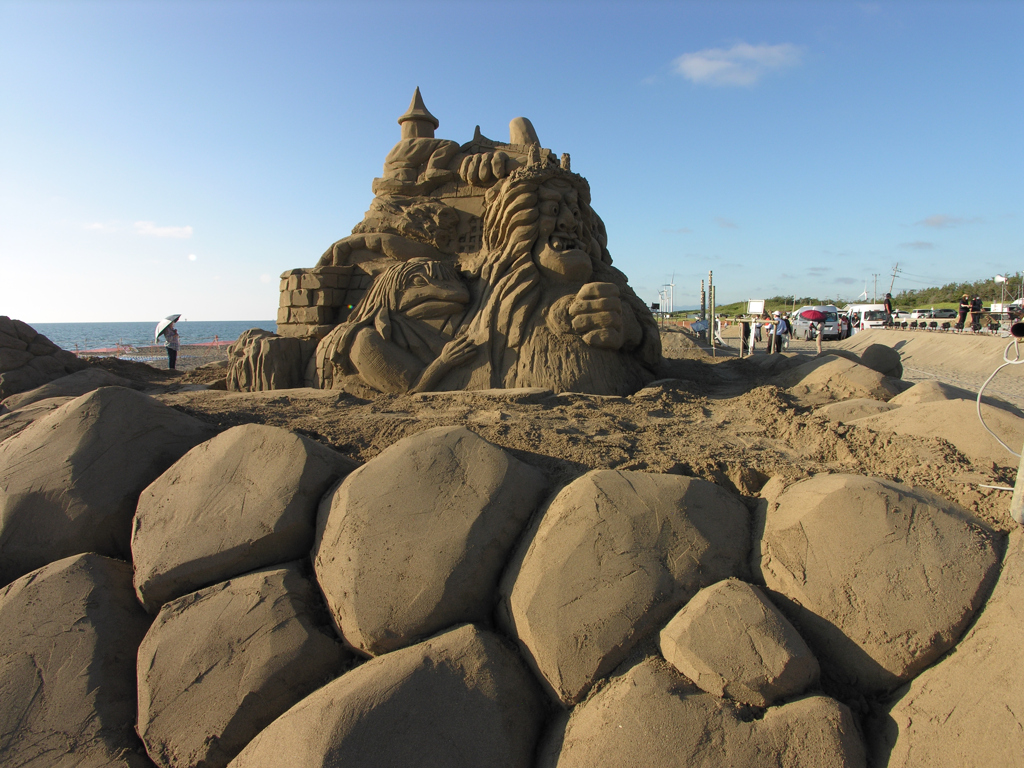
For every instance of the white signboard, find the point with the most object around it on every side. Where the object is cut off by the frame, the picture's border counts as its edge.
(755, 306)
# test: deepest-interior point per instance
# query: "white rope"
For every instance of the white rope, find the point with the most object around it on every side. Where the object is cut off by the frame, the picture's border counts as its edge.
(1008, 361)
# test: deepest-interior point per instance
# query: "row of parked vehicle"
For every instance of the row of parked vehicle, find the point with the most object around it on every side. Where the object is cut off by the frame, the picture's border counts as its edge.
(863, 316)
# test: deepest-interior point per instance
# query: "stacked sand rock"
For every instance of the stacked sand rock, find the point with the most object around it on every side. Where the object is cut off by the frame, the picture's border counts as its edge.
(28, 359)
(252, 598)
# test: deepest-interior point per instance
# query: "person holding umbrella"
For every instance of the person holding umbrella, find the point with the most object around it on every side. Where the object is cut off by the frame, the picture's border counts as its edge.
(170, 334)
(818, 318)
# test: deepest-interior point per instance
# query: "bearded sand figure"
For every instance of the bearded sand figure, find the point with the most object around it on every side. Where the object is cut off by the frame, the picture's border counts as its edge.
(553, 312)
(401, 337)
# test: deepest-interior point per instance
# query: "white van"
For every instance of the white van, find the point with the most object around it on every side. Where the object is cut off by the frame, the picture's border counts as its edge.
(864, 316)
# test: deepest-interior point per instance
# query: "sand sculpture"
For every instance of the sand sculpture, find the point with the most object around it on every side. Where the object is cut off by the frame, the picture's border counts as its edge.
(478, 266)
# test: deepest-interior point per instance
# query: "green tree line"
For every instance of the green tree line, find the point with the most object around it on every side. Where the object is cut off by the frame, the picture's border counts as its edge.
(989, 291)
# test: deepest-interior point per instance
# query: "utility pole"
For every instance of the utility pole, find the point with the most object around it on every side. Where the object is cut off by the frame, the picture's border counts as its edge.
(895, 271)
(711, 311)
(874, 292)
(672, 295)
(711, 326)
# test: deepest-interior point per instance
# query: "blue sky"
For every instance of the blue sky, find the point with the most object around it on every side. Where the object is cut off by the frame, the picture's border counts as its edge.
(161, 157)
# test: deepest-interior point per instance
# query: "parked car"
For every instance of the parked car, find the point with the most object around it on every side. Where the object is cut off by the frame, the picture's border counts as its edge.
(933, 314)
(802, 326)
(864, 316)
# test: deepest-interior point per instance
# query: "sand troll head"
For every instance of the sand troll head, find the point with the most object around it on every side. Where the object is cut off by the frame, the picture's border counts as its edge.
(538, 227)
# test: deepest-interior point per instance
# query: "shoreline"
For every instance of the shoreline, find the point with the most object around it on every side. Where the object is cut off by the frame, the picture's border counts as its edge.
(190, 356)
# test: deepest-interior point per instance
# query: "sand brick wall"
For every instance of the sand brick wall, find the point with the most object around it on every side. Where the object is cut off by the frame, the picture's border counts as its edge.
(314, 300)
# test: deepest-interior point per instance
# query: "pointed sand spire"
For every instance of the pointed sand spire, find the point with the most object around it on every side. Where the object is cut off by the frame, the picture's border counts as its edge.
(418, 111)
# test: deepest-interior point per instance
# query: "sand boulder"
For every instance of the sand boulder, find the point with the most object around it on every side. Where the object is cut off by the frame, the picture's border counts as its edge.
(966, 710)
(221, 664)
(28, 359)
(880, 579)
(68, 637)
(72, 385)
(614, 556)
(652, 716)
(829, 378)
(11, 423)
(414, 541)
(70, 481)
(244, 500)
(731, 641)
(883, 359)
(461, 698)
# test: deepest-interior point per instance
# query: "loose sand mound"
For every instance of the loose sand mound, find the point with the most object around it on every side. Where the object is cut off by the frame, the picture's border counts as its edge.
(847, 411)
(679, 344)
(937, 391)
(829, 378)
(958, 353)
(956, 421)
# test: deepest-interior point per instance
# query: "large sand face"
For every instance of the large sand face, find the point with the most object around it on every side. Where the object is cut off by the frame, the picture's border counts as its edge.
(729, 423)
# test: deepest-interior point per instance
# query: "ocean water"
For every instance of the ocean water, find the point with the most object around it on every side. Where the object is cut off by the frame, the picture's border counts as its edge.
(81, 337)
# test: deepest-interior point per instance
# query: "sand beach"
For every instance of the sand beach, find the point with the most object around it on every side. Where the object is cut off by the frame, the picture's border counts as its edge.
(770, 437)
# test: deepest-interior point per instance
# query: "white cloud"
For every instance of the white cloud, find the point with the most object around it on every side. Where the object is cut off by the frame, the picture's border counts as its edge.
(743, 64)
(725, 223)
(99, 226)
(945, 221)
(150, 229)
(191, 257)
(265, 278)
(918, 245)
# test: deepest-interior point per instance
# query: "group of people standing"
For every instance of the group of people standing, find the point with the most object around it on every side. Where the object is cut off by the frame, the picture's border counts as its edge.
(776, 329)
(967, 304)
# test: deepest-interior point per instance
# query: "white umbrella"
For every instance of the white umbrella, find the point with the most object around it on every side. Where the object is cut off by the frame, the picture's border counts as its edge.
(163, 324)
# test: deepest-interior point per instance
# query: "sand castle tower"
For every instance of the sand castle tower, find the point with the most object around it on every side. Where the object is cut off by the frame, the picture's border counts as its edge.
(417, 122)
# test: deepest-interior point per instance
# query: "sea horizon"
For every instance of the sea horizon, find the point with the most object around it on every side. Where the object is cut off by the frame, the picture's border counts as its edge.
(86, 337)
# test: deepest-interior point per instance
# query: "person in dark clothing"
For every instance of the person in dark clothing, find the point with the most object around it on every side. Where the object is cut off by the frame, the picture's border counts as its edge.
(976, 314)
(888, 308)
(965, 306)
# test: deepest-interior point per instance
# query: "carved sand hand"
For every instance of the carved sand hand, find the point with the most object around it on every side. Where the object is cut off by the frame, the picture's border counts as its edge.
(596, 315)
(484, 169)
(455, 352)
